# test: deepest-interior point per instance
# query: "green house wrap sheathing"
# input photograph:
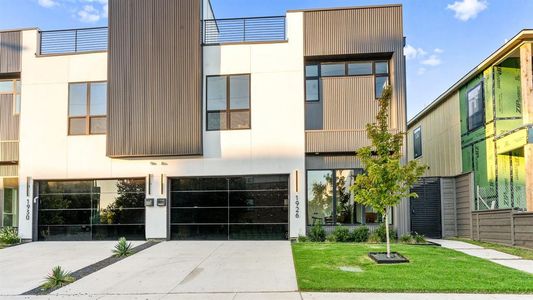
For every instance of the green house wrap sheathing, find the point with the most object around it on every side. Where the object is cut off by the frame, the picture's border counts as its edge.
(498, 177)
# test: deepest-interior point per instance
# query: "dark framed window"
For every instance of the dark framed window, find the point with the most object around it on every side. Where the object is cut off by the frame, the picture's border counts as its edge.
(12, 87)
(228, 102)
(417, 142)
(475, 107)
(314, 71)
(87, 108)
(330, 201)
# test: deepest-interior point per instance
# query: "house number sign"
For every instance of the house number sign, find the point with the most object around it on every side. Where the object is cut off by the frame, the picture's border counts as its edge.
(297, 202)
(28, 209)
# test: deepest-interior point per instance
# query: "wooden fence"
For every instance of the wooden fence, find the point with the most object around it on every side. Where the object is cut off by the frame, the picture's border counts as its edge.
(503, 226)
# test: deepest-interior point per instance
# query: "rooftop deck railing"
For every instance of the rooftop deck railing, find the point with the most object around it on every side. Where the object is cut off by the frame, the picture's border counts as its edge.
(239, 30)
(216, 31)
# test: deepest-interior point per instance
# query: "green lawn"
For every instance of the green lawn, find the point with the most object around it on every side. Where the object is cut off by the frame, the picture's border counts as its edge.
(432, 269)
(524, 253)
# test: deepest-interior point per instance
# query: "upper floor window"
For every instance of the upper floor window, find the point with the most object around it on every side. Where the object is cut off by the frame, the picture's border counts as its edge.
(316, 70)
(476, 114)
(87, 108)
(12, 87)
(228, 102)
(417, 142)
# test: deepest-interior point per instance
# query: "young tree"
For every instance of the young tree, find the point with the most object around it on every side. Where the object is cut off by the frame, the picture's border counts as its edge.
(386, 180)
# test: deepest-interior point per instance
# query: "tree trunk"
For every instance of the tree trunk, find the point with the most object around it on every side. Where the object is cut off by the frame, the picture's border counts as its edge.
(387, 231)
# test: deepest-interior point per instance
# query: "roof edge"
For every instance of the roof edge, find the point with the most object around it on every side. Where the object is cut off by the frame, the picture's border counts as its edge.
(344, 8)
(512, 43)
(19, 29)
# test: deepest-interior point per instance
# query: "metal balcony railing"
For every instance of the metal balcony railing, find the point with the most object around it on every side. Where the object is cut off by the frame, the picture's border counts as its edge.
(239, 30)
(73, 40)
(215, 31)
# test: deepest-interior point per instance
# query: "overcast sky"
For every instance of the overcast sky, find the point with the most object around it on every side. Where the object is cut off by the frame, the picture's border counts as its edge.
(445, 38)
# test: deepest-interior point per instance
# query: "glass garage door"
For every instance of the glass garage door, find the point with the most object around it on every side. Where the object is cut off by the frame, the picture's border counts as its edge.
(230, 208)
(91, 210)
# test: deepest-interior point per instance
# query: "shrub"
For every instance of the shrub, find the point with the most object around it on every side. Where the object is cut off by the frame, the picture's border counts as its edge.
(122, 248)
(381, 232)
(406, 239)
(419, 239)
(303, 239)
(330, 238)
(317, 233)
(374, 238)
(360, 234)
(341, 234)
(9, 235)
(58, 278)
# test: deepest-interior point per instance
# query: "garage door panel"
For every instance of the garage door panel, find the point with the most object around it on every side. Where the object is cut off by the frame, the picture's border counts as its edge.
(120, 216)
(199, 199)
(112, 232)
(199, 215)
(65, 187)
(198, 184)
(259, 182)
(259, 198)
(199, 232)
(65, 233)
(259, 215)
(65, 217)
(258, 232)
(65, 201)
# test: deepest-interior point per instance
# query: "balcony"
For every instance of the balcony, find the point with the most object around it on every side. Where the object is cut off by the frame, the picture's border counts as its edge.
(214, 32)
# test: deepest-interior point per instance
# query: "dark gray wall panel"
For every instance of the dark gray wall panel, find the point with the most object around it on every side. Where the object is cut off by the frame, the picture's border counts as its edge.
(155, 66)
(426, 209)
(10, 51)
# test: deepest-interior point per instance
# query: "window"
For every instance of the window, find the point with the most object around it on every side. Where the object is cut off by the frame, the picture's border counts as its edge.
(12, 87)
(476, 114)
(87, 108)
(417, 142)
(228, 102)
(330, 201)
(315, 71)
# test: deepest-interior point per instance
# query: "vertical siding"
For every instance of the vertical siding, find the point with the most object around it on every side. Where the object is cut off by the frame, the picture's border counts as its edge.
(324, 162)
(9, 170)
(449, 208)
(9, 130)
(154, 78)
(10, 51)
(464, 198)
(358, 31)
(441, 139)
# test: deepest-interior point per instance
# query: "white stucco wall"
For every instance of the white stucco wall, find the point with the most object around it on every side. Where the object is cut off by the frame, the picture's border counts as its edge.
(273, 145)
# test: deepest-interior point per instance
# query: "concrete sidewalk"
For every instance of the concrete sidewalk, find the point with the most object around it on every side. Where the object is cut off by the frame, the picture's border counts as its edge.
(498, 257)
(282, 296)
(24, 267)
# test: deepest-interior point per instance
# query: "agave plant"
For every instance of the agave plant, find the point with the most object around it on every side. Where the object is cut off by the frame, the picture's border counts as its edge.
(123, 248)
(57, 278)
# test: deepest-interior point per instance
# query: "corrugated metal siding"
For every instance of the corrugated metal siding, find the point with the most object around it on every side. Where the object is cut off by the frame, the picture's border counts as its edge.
(9, 151)
(9, 170)
(154, 78)
(10, 51)
(449, 209)
(353, 31)
(464, 198)
(345, 32)
(335, 140)
(324, 162)
(441, 145)
(349, 102)
(9, 123)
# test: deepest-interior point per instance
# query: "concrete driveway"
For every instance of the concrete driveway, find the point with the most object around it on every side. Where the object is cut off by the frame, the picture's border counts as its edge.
(24, 267)
(194, 268)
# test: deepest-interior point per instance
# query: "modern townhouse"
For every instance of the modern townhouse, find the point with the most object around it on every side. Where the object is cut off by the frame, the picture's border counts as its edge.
(477, 139)
(172, 124)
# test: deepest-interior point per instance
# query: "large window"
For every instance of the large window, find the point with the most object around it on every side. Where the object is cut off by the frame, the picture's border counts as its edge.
(330, 201)
(476, 113)
(228, 102)
(314, 71)
(12, 87)
(87, 108)
(91, 209)
(417, 142)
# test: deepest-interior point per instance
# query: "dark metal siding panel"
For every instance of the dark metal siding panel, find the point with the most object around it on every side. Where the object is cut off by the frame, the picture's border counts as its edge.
(426, 209)
(361, 31)
(320, 162)
(10, 51)
(155, 66)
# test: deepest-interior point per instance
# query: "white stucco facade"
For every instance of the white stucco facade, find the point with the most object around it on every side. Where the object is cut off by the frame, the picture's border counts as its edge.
(274, 145)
